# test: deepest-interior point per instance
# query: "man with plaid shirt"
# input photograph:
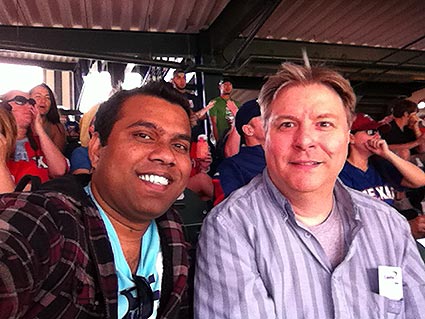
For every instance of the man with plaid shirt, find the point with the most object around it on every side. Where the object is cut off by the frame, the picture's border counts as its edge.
(105, 246)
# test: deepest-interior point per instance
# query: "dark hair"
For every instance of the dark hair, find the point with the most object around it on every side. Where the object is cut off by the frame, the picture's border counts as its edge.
(53, 114)
(109, 111)
(399, 107)
(177, 71)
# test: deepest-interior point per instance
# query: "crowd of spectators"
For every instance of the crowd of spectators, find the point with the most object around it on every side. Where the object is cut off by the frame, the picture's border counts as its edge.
(385, 159)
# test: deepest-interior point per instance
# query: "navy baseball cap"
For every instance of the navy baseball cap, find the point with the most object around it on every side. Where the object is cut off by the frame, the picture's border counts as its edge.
(246, 112)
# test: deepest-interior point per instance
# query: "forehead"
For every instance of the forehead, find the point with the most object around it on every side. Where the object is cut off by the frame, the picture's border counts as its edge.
(179, 75)
(39, 89)
(12, 94)
(154, 109)
(312, 99)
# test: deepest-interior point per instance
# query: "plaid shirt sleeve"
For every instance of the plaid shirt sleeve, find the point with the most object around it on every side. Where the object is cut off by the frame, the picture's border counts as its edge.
(45, 259)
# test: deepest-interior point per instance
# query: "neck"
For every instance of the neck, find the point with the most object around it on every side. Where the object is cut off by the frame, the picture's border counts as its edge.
(400, 122)
(225, 96)
(308, 211)
(181, 90)
(126, 229)
(357, 160)
(252, 141)
(22, 133)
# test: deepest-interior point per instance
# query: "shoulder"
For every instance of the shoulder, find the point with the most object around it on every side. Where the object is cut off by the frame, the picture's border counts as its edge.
(245, 201)
(56, 128)
(373, 210)
(228, 165)
(80, 152)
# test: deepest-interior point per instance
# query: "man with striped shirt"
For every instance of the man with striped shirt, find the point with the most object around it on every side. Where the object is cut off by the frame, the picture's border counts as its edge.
(295, 242)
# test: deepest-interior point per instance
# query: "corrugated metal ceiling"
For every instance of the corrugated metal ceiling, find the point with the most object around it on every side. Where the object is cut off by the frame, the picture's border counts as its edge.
(380, 23)
(377, 23)
(391, 24)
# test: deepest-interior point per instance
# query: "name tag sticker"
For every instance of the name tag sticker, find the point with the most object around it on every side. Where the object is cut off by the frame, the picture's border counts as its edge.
(390, 282)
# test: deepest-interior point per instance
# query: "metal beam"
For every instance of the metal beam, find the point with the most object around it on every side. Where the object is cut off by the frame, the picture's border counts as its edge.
(127, 46)
(235, 18)
(261, 57)
(59, 66)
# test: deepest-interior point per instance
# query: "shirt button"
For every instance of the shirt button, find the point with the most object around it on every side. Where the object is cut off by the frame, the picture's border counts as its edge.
(307, 234)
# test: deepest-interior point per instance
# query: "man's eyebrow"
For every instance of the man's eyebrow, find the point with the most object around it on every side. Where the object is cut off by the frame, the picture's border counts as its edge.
(143, 124)
(183, 137)
(285, 116)
(326, 115)
(153, 126)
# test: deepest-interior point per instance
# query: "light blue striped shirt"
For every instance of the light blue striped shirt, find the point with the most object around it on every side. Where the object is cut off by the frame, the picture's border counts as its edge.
(255, 261)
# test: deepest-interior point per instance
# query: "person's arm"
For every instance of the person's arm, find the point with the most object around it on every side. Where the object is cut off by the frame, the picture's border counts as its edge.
(55, 160)
(420, 138)
(405, 146)
(21, 265)
(417, 226)
(202, 114)
(413, 176)
(232, 143)
(227, 282)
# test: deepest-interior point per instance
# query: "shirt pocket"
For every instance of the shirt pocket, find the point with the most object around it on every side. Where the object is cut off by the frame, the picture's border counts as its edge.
(384, 307)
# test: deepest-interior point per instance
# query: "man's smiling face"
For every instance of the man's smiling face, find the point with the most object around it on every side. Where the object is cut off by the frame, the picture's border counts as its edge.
(145, 163)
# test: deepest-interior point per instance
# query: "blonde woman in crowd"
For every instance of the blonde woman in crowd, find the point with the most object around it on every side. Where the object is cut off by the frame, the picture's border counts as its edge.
(8, 132)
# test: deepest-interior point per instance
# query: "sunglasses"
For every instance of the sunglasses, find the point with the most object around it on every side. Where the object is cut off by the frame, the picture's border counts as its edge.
(368, 132)
(22, 100)
(145, 297)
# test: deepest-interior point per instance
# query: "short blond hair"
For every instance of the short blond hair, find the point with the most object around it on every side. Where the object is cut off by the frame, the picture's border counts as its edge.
(292, 75)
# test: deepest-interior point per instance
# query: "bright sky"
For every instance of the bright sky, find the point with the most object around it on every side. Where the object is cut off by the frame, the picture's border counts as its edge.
(19, 77)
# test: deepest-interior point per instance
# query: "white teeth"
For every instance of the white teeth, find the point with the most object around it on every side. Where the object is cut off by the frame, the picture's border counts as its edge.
(155, 179)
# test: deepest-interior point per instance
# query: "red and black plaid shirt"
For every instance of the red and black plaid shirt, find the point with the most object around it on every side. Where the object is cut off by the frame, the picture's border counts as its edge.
(56, 260)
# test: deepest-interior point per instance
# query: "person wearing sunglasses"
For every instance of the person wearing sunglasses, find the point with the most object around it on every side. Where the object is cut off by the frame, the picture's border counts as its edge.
(374, 169)
(35, 153)
(46, 104)
(106, 245)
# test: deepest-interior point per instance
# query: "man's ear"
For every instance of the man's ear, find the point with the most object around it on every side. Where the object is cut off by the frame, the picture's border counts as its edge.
(95, 149)
(351, 138)
(248, 130)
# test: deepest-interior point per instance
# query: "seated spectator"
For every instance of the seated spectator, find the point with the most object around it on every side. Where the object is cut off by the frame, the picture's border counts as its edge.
(8, 133)
(46, 104)
(405, 137)
(238, 170)
(373, 169)
(80, 161)
(35, 153)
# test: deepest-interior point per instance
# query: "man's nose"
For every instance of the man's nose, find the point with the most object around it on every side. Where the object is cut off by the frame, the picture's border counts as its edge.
(163, 153)
(305, 138)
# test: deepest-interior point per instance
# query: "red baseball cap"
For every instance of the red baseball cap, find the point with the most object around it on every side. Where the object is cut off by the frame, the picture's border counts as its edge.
(364, 122)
